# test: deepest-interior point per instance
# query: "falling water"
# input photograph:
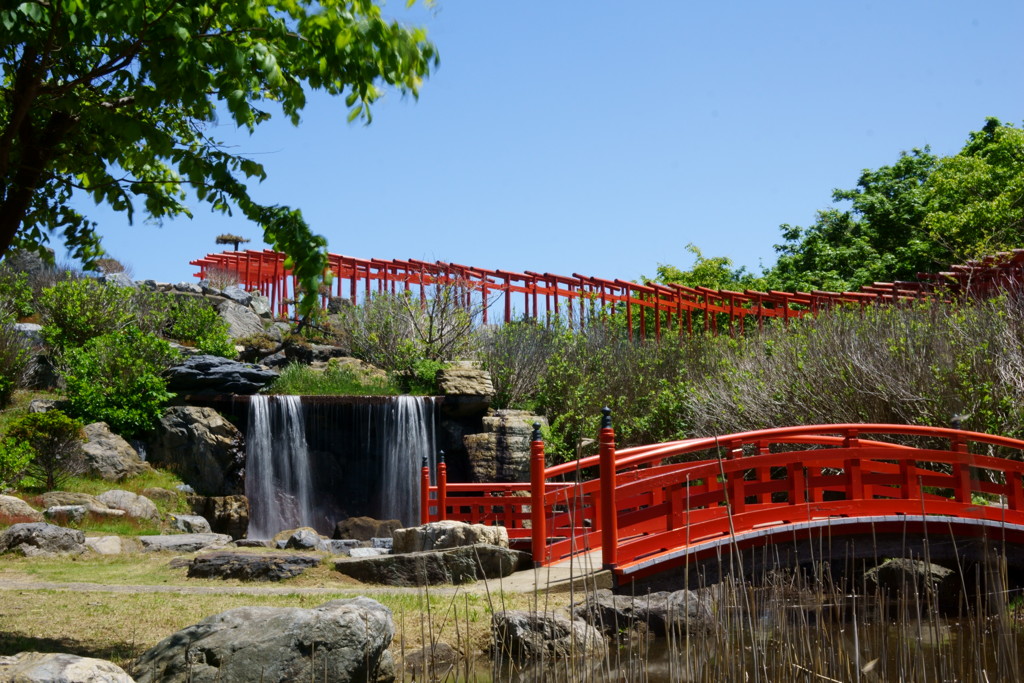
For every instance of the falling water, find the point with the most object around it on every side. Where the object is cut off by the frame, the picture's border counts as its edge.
(278, 478)
(317, 461)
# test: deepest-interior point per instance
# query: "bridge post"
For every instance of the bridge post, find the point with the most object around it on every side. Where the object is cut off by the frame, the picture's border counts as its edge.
(609, 510)
(442, 486)
(538, 513)
(425, 492)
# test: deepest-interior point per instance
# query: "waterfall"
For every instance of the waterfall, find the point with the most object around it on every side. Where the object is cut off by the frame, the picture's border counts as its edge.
(316, 461)
(278, 476)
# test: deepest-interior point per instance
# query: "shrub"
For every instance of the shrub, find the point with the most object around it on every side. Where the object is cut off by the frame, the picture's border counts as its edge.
(56, 444)
(15, 358)
(15, 291)
(335, 380)
(75, 311)
(193, 321)
(116, 378)
(516, 356)
(15, 457)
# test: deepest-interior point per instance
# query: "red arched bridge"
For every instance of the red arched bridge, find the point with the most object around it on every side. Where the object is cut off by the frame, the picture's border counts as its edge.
(653, 508)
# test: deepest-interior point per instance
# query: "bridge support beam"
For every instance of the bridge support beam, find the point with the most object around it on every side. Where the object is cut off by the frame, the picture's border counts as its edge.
(538, 512)
(609, 510)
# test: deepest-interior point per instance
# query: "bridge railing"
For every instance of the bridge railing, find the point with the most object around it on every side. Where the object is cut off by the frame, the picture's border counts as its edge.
(638, 502)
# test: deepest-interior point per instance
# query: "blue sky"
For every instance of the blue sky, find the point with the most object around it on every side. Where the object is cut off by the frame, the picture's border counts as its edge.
(601, 137)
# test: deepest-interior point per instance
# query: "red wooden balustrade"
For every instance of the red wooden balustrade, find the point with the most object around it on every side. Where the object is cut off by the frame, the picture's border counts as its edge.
(579, 298)
(638, 504)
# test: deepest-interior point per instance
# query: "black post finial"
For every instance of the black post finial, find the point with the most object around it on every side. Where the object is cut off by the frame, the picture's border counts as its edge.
(440, 457)
(426, 461)
(606, 420)
(536, 432)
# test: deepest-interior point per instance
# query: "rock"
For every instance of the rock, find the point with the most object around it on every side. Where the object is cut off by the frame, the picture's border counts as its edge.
(35, 539)
(342, 640)
(203, 448)
(464, 564)
(65, 514)
(109, 456)
(182, 543)
(184, 488)
(165, 496)
(384, 543)
(340, 546)
(104, 545)
(206, 374)
(366, 528)
(662, 613)
(551, 637)
(226, 514)
(275, 360)
(467, 391)
(241, 320)
(237, 294)
(260, 305)
(32, 334)
(303, 539)
(58, 667)
(120, 279)
(902, 577)
(12, 507)
(189, 287)
(433, 663)
(252, 543)
(250, 567)
(190, 524)
(447, 534)
(42, 405)
(133, 504)
(501, 452)
(367, 552)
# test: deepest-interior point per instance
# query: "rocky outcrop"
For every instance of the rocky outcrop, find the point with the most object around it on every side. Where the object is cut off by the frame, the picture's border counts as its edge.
(544, 635)
(468, 391)
(242, 321)
(65, 514)
(501, 452)
(34, 539)
(902, 577)
(342, 640)
(250, 566)
(183, 543)
(92, 504)
(365, 528)
(109, 456)
(202, 448)
(58, 667)
(447, 534)
(464, 564)
(206, 374)
(133, 504)
(105, 545)
(226, 514)
(662, 613)
(190, 524)
(15, 508)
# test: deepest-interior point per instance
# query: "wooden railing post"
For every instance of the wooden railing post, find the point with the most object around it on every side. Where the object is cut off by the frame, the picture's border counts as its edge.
(442, 487)
(609, 510)
(425, 492)
(538, 512)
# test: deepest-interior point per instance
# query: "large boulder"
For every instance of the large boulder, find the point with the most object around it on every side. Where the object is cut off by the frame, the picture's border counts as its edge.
(15, 508)
(447, 534)
(109, 456)
(365, 528)
(35, 539)
(250, 566)
(206, 374)
(468, 391)
(242, 321)
(182, 543)
(543, 635)
(133, 504)
(464, 564)
(226, 514)
(662, 613)
(501, 452)
(59, 667)
(342, 640)
(92, 504)
(203, 448)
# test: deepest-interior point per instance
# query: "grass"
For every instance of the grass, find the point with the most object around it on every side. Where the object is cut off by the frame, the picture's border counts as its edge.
(302, 380)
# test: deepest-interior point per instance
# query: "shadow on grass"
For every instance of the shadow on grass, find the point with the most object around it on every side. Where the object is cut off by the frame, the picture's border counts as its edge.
(120, 653)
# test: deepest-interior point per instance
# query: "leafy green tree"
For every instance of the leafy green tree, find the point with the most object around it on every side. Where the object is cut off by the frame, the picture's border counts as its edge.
(113, 100)
(714, 272)
(921, 214)
(56, 443)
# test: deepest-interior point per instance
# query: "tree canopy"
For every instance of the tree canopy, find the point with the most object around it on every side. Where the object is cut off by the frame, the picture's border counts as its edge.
(113, 100)
(921, 214)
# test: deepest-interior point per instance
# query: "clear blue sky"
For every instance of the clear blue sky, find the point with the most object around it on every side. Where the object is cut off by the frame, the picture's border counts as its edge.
(602, 137)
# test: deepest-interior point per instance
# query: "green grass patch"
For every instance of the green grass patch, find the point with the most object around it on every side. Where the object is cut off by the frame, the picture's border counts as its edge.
(302, 380)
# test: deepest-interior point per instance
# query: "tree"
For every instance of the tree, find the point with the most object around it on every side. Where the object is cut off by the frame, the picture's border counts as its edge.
(235, 240)
(714, 272)
(113, 100)
(921, 214)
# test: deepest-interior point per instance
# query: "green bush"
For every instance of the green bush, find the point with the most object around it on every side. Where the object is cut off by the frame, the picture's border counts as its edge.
(56, 444)
(16, 292)
(193, 321)
(516, 356)
(116, 378)
(335, 380)
(15, 358)
(15, 457)
(75, 311)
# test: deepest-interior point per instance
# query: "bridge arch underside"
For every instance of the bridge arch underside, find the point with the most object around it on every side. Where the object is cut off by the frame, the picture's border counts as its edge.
(847, 545)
